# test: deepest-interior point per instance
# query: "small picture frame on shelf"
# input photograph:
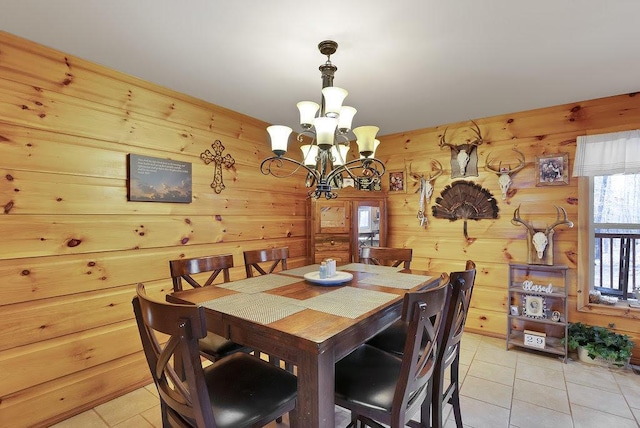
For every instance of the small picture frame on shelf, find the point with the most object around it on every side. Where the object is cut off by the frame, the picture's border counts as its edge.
(515, 310)
(552, 170)
(534, 306)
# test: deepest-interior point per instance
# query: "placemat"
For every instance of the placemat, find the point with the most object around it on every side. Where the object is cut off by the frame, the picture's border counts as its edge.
(258, 284)
(260, 307)
(302, 270)
(405, 281)
(348, 302)
(362, 267)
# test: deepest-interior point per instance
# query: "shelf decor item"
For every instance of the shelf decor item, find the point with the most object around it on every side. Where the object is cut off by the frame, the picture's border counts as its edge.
(534, 306)
(535, 339)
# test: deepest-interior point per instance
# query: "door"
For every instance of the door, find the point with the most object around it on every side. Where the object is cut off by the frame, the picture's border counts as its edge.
(369, 228)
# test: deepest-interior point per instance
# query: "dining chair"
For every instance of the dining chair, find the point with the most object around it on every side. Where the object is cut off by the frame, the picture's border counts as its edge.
(183, 269)
(386, 256)
(254, 258)
(237, 391)
(393, 338)
(213, 346)
(449, 354)
(381, 388)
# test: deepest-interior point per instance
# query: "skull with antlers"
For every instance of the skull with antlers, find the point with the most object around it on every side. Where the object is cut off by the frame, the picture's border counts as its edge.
(426, 188)
(462, 151)
(504, 174)
(538, 240)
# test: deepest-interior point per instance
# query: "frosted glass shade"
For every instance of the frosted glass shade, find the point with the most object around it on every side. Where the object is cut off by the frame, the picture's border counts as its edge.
(279, 138)
(346, 117)
(325, 130)
(366, 136)
(333, 97)
(376, 143)
(308, 110)
(309, 154)
(339, 153)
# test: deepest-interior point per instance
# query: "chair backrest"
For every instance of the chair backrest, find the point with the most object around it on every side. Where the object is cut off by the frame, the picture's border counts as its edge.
(253, 258)
(386, 256)
(423, 311)
(457, 309)
(185, 401)
(184, 268)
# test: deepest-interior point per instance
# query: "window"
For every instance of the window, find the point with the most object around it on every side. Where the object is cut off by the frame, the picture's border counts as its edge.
(615, 234)
(609, 241)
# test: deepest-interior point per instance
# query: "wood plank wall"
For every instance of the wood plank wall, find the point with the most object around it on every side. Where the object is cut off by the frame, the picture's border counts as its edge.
(73, 247)
(495, 243)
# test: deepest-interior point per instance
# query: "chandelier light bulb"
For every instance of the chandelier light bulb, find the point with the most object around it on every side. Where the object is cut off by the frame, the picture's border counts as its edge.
(366, 136)
(308, 110)
(309, 154)
(346, 118)
(376, 143)
(279, 138)
(333, 97)
(325, 131)
(339, 154)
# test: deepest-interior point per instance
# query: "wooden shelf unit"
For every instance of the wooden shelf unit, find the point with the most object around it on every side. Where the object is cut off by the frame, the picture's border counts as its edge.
(557, 300)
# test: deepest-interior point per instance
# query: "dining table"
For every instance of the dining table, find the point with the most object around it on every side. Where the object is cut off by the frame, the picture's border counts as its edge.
(311, 322)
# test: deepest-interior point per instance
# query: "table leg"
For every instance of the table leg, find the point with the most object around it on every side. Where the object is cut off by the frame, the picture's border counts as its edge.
(315, 406)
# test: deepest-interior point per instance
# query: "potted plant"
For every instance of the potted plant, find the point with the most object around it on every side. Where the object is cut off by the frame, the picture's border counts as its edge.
(600, 345)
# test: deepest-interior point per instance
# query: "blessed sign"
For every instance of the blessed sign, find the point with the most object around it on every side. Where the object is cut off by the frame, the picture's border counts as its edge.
(535, 288)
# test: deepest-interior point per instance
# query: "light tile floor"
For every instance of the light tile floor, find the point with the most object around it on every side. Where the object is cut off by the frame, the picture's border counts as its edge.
(514, 389)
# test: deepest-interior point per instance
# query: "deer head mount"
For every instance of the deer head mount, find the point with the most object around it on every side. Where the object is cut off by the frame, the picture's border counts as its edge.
(505, 173)
(464, 157)
(425, 189)
(540, 241)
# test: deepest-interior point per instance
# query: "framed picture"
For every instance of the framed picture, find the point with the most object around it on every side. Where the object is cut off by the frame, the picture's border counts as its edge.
(396, 181)
(158, 180)
(552, 170)
(534, 306)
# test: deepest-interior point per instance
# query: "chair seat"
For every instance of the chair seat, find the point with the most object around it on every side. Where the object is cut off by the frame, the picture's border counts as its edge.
(244, 389)
(368, 376)
(391, 339)
(219, 347)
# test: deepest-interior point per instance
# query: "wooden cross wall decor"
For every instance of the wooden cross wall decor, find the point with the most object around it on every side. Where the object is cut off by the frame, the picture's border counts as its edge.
(218, 161)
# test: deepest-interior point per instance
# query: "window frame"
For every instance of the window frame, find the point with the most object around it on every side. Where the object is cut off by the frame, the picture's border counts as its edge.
(586, 245)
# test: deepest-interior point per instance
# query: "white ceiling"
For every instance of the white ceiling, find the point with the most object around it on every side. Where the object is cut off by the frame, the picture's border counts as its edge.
(407, 64)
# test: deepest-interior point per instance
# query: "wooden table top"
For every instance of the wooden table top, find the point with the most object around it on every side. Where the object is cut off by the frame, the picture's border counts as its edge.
(321, 324)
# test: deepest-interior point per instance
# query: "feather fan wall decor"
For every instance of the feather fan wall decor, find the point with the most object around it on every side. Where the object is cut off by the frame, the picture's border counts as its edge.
(465, 200)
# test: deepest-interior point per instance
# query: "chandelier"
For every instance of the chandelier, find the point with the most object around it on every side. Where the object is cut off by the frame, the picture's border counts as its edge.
(326, 129)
